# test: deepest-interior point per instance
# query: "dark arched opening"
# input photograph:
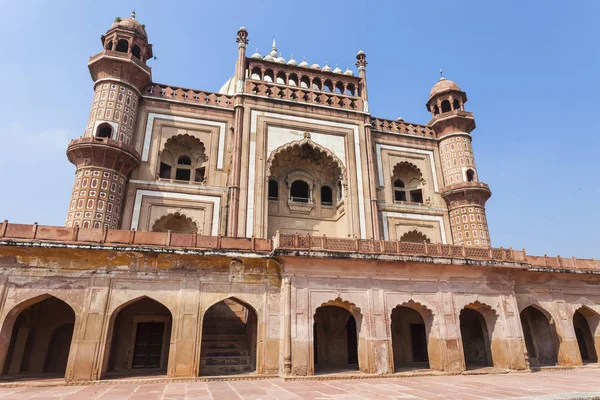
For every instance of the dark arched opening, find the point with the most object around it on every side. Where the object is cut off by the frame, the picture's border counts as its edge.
(540, 337)
(273, 189)
(104, 130)
(41, 339)
(585, 337)
(399, 190)
(300, 192)
(122, 46)
(475, 339)
(229, 339)
(409, 339)
(326, 196)
(456, 104)
(335, 340)
(446, 106)
(136, 51)
(470, 175)
(140, 337)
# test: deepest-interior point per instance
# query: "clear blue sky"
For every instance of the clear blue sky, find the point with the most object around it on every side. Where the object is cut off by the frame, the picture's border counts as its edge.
(531, 70)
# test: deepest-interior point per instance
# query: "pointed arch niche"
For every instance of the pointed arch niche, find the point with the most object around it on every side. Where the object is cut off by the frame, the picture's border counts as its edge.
(410, 324)
(39, 333)
(138, 339)
(229, 339)
(307, 190)
(336, 331)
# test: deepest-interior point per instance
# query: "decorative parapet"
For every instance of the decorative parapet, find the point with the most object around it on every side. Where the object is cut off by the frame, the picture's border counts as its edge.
(399, 126)
(115, 238)
(303, 95)
(390, 247)
(199, 97)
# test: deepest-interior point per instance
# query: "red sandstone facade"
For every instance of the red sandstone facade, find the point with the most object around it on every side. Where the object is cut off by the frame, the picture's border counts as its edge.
(277, 228)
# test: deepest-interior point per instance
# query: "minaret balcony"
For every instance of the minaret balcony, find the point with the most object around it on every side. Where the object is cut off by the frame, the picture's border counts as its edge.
(452, 121)
(110, 64)
(120, 55)
(466, 192)
(104, 153)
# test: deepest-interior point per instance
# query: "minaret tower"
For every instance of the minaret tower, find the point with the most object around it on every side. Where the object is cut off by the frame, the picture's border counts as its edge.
(463, 192)
(104, 155)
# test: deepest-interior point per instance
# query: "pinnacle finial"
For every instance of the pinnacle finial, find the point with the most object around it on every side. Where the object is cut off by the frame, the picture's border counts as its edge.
(274, 47)
(441, 75)
(132, 16)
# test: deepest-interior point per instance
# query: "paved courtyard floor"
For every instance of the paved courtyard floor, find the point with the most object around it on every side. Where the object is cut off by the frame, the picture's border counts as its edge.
(571, 384)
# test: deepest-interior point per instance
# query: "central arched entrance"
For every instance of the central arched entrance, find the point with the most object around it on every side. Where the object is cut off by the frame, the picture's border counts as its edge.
(40, 340)
(475, 339)
(141, 333)
(229, 339)
(335, 340)
(583, 320)
(540, 337)
(409, 339)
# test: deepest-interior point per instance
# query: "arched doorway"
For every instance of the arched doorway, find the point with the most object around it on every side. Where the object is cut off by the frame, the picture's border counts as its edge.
(41, 339)
(409, 339)
(540, 337)
(140, 337)
(335, 340)
(229, 339)
(582, 319)
(475, 339)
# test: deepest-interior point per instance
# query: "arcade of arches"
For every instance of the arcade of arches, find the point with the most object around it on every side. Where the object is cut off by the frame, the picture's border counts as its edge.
(248, 316)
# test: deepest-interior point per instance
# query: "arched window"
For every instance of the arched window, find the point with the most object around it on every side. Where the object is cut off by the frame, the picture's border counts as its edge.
(436, 110)
(316, 85)
(399, 190)
(109, 45)
(351, 90)
(122, 46)
(339, 190)
(256, 73)
(300, 192)
(268, 76)
(470, 175)
(305, 82)
(456, 104)
(416, 194)
(446, 106)
(339, 88)
(273, 189)
(165, 171)
(104, 130)
(136, 51)
(407, 183)
(293, 80)
(184, 160)
(328, 86)
(280, 78)
(326, 196)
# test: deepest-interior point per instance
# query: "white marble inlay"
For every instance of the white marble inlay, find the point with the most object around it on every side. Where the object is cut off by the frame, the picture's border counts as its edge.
(429, 153)
(337, 149)
(175, 118)
(139, 194)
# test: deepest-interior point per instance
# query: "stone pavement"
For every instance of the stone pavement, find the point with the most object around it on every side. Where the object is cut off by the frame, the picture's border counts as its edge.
(572, 384)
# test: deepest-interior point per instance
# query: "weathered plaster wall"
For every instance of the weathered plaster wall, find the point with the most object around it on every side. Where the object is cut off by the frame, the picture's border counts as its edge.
(98, 284)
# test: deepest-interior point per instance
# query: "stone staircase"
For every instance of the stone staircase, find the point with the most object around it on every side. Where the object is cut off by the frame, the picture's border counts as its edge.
(225, 340)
